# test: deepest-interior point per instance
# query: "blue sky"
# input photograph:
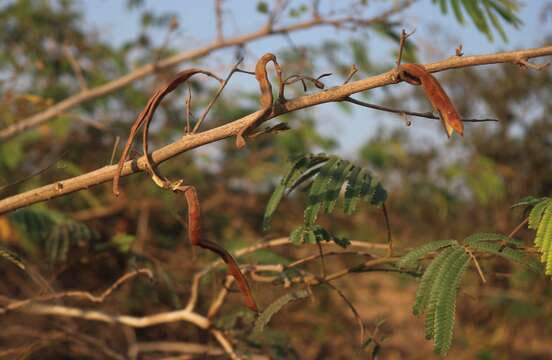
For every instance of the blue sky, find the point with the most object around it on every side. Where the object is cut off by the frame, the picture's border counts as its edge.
(436, 35)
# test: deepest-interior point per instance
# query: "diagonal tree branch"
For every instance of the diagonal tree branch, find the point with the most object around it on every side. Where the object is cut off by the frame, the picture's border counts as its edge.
(221, 43)
(189, 142)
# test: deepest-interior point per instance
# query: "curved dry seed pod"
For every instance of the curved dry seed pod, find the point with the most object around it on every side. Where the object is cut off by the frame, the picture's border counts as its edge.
(417, 75)
(194, 214)
(266, 95)
(195, 237)
(144, 118)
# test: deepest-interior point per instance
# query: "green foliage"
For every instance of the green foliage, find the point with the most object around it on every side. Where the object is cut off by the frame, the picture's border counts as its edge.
(484, 11)
(507, 253)
(480, 237)
(262, 7)
(436, 295)
(123, 242)
(51, 231)
(536, 213)
(444, 306)
(303, 165)
(527, 201)
(314, 234)
(423, 292)
(11, 257)
(540, 218)
(265, 316)
(327, 176)
(410, 259)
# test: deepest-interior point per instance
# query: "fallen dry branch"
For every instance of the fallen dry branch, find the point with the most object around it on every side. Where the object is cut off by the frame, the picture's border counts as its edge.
(233, 128)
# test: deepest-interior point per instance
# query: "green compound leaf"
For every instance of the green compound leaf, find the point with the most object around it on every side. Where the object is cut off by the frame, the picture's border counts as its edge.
(485, 14)
(446, 270)
(445, 309)
(318, 188)
(276, 306)
(12, 257)
(302, 166)
(423, 293)
(508, 253)
(411, 258)
(536, 213)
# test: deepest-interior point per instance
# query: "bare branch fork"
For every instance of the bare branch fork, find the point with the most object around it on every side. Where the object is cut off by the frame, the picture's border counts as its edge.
(335, 94)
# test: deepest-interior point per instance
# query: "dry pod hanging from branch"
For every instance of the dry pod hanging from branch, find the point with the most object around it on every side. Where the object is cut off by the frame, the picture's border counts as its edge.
(190, 193)
(417, 75)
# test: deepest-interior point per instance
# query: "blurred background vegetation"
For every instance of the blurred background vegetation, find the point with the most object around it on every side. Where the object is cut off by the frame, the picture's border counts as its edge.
(436, 190)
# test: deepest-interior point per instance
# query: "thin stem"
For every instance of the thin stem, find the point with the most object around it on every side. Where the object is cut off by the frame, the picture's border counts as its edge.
(388, 227)
(215, 98)
(427, 115)
(474, 259)
(518, 228)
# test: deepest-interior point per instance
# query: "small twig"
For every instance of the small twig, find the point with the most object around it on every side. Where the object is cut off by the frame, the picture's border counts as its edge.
(316, 9)
(75, 66)
(474, 259)
(114, 151)
(352, 72)
(218, 17)
(353, 309)
(173, 25)
(127, 320)
(514, 232)
(427, 115)
(79, 294)
(225, 344)
(518, 228)
(142, 227)
(388, 227)
(215, 98)
(218, 301)
(36, 173)
(316, 81)
(402, 43)
(322, 260)
(86, 120)
(273, 16)
(331, 253)
(192, 301)
(188, 111)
